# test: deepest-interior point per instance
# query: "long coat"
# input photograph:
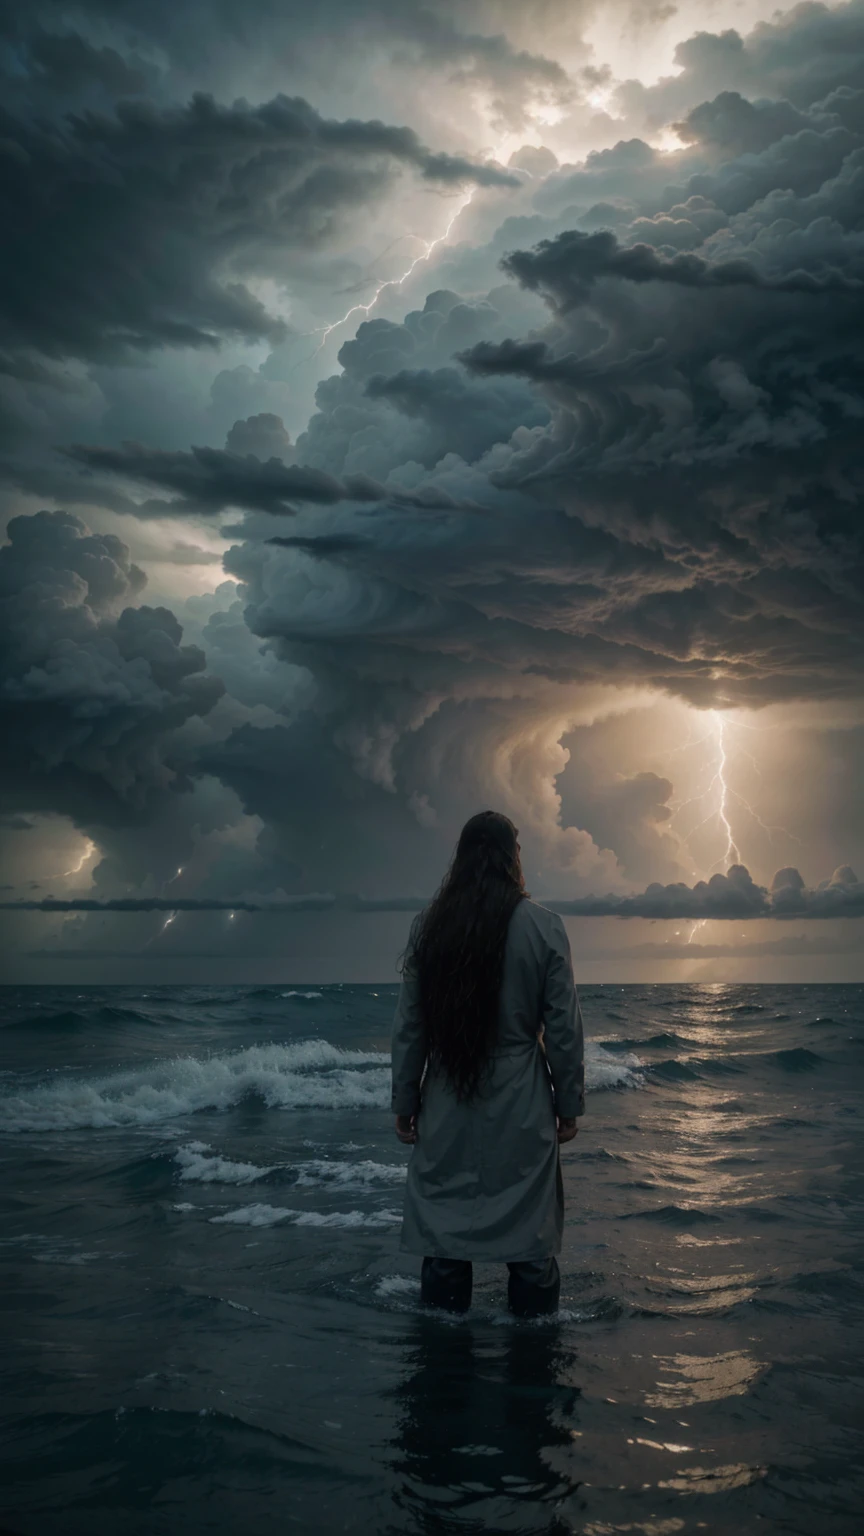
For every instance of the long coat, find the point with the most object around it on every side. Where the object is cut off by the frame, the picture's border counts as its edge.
(484, 1179)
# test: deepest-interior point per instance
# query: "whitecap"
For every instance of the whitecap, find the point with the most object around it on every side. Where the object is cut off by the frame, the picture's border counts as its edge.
(268, 1215)
(398, 1285)
(199, 1163)
(361, 1175)
(603, 1069)
(305, 1074)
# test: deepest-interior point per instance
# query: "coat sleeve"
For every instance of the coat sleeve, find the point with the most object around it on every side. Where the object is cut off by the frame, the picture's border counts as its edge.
(563, 1037)
(408, 1046)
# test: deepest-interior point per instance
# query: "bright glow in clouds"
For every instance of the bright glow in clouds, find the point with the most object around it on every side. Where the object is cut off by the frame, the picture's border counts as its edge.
(642, 47)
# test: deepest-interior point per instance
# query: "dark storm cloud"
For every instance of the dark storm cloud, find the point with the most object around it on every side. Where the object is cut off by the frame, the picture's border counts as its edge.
(92, 689)
(729, 897)
(466, 51)
(671, 479)
(131, 230)
(263, 436)
(733, 896)
(310, 903)
(324, 545)
(463, 418)
(689, 389)
(535, 360)
(731, 123)
(399, 400)
(62, 66)
(565, 269)
(210, 479)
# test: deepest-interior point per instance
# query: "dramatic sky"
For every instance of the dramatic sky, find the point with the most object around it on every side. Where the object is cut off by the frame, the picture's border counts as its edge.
(411, 408)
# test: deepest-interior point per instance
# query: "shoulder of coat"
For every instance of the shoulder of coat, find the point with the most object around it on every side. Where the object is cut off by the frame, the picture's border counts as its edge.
(543, 916)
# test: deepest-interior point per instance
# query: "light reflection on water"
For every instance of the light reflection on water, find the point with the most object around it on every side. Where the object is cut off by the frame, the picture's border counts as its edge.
(703, 1378)
(712, 1479)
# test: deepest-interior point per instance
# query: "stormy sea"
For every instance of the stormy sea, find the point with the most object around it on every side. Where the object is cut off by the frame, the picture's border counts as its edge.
(208, 1326)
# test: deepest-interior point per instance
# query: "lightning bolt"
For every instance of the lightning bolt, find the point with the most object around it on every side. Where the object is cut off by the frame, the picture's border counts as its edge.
(89, 850)
(326, 331)
(723, 795)
(172, 916)
(731, 854)
(718, 782)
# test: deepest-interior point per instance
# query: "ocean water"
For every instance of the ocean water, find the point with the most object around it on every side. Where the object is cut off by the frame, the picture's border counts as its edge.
(208, 1326)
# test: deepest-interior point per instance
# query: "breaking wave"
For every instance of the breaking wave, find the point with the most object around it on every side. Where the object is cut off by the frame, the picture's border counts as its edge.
(307, 1074)
(201, 1165)
(270, 1215)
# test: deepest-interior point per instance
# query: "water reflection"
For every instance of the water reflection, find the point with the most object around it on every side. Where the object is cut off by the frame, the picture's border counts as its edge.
(484, 1419)
(703, 1378)
(713, 1479)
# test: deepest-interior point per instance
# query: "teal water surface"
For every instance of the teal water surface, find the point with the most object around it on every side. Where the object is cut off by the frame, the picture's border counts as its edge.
(208, 1326)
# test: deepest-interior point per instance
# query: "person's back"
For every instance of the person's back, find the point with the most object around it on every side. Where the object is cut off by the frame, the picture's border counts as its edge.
(483, 1101)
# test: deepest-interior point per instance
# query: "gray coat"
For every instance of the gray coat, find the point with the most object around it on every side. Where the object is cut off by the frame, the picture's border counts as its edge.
(484, 1180)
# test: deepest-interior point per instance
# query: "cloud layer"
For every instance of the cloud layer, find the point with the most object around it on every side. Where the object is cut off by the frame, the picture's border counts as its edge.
(729, 897)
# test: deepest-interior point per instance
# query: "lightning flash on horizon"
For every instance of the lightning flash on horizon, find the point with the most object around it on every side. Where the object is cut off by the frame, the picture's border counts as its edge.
(89, 850)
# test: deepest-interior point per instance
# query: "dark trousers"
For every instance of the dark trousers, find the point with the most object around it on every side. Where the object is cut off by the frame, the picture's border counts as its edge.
(532, 1289)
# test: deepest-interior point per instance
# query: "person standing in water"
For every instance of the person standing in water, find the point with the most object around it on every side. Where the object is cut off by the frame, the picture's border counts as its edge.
(488, 1076)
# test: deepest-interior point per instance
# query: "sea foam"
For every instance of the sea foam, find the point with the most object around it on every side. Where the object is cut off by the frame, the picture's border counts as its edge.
(307, 1074)
(268, 1216)
(603, 1070)
(198, 1162)
(338, 1175)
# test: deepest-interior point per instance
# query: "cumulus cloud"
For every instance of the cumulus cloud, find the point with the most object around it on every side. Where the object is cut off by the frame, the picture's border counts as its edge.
(92, 689)
(733, 896)
(798, 57)
(263, 436)
(567, 267)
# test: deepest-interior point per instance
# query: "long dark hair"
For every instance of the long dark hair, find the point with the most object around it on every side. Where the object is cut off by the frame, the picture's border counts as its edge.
(457, 950)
